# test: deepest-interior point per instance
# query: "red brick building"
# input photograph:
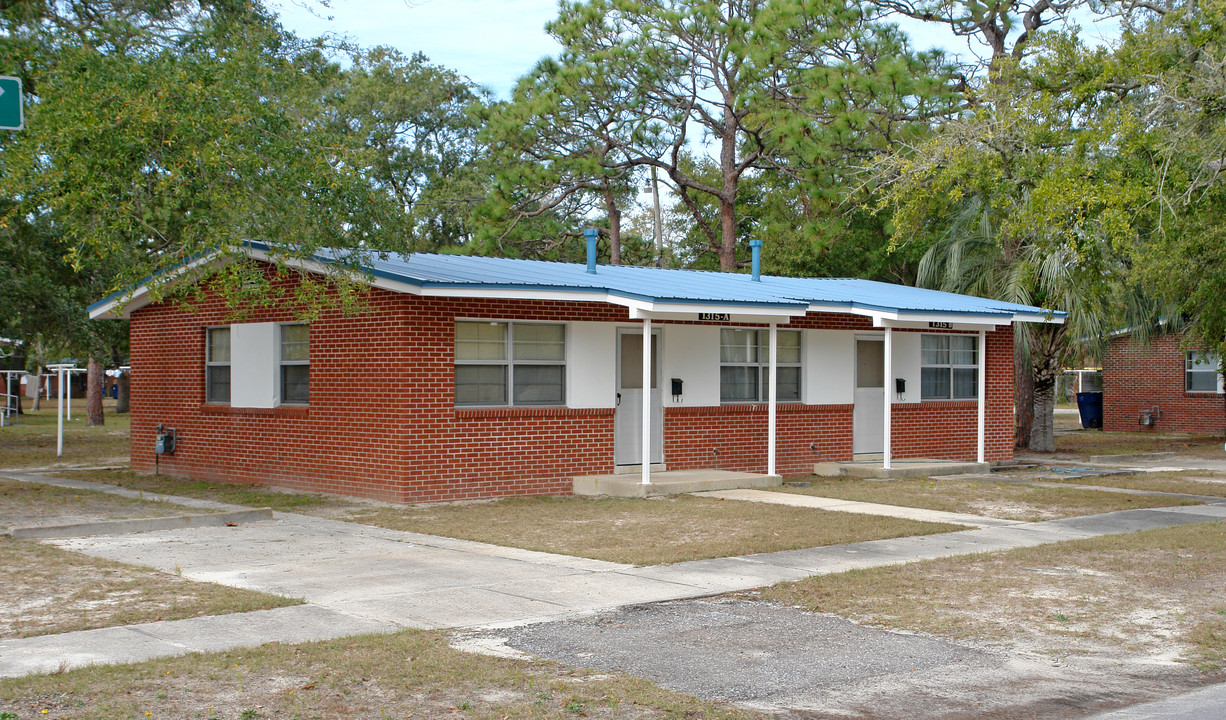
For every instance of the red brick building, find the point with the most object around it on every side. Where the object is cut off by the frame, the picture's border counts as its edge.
(1162, 387)
(483, 377)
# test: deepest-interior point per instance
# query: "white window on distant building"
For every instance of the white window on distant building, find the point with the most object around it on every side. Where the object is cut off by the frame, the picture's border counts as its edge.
(1201, 372)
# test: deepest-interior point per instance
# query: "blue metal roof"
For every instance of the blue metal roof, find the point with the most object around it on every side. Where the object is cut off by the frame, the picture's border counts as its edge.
(659, 285)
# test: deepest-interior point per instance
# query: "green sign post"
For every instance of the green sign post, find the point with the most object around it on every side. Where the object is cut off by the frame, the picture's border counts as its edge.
(11, 117)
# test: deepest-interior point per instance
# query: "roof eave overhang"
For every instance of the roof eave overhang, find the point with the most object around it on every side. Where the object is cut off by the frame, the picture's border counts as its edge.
(947, 320)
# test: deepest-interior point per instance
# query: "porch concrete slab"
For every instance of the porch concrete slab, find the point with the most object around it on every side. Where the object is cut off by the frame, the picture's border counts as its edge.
(672, 482)
(898, 468)
(134, 643)
(865, 508)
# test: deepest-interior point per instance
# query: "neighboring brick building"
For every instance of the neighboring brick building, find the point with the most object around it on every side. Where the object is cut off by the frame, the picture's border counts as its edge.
(1161, 387)
(481, 377)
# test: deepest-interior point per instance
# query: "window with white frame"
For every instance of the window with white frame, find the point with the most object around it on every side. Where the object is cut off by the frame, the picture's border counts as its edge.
(949, 367)
(1201, 372)
(744, 365)
(217, 365)
(295, 361)
(510, 363)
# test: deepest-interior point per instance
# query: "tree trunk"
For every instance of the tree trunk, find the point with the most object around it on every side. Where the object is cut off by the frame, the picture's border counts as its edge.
(615, 226)
(35, 403)
(1046, 372)
(1023, 397)
(1043, 431)
(121, 401)
(95, 381)
(727, 201)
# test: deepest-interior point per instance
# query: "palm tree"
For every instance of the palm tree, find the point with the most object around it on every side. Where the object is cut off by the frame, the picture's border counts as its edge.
(975, 258)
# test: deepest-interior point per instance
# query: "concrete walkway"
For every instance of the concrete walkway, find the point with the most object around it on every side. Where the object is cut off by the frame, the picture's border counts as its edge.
(358, 578)
(853, 506)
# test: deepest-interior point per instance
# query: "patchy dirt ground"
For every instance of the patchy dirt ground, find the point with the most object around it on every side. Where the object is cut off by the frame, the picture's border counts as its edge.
(46, 590)
(25, 504)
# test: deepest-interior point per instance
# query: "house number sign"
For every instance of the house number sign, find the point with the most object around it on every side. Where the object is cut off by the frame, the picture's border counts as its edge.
(715, 317)
(940, 326)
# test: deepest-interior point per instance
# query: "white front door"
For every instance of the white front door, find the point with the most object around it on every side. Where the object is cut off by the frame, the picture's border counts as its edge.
(628, 420)
(868, 418)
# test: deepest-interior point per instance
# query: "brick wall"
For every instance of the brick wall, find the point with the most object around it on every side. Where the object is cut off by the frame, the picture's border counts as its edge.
(382, 422)
(1138, 378)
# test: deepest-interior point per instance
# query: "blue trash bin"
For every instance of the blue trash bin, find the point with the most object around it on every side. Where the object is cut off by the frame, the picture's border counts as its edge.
(1090, 406)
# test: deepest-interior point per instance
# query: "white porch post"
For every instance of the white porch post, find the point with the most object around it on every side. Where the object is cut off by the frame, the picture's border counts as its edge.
(647, 375)
(772, 400)
(69, 392)
(888, 371)
(983, 391)
(59, 441)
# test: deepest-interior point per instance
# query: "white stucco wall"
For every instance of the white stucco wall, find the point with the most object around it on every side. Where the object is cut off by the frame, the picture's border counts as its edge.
(591, 365)
(691, 353)
(829, 367)
(906, 366)
(253, 365)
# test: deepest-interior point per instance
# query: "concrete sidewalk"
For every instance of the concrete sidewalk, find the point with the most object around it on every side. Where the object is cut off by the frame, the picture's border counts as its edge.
(358, 578)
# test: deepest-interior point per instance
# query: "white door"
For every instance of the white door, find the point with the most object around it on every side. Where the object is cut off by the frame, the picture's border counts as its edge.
(628, 420)
(868, 418)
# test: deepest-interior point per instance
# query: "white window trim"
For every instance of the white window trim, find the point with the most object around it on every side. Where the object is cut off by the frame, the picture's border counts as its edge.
(763, 365)
(951, 366)
(508, 361)
(209, 364)
(282, 363)
(1188, 369)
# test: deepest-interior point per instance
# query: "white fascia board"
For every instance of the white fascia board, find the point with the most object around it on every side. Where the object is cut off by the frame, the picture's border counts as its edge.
(1046, 319)
(737, 313)
(139, 297)
(886, 318)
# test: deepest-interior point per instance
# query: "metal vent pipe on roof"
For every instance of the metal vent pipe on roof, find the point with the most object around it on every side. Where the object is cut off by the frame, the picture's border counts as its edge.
(755, 248)
(591, 234)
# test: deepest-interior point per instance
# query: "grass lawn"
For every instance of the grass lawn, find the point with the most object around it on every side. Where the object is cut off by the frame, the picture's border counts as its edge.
(643, 531)
(626, 530)
(1009, 501)
(1156, 592)
(32, 441)
(235, 493)
(408, 674)
(1097, 442)
(45, 590)
(1191, 483)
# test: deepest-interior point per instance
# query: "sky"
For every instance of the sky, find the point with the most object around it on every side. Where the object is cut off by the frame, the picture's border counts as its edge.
(492, 42)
